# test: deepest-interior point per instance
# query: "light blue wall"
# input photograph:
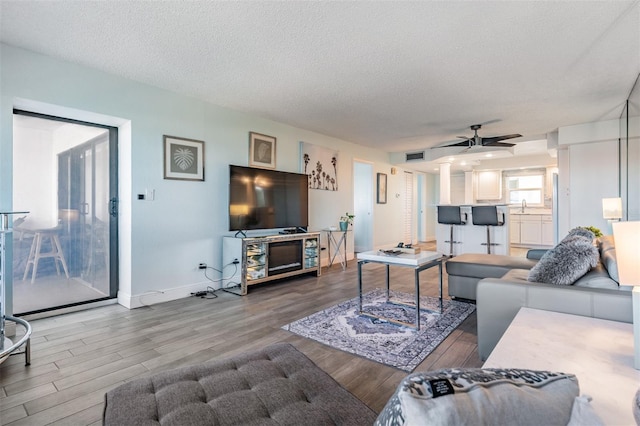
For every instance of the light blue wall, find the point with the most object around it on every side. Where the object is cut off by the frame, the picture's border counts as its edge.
(162, 241)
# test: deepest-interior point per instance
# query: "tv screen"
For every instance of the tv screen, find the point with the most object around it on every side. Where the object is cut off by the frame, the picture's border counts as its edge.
(267, 199)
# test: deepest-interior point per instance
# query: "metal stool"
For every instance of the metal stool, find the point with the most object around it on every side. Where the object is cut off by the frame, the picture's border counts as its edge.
(35, 255)
(450, 215)
(486, 216)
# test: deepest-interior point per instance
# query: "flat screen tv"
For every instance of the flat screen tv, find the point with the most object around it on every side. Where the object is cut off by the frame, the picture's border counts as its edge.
(267, 199)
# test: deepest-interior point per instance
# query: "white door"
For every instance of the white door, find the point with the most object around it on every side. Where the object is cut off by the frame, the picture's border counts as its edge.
(363, 206)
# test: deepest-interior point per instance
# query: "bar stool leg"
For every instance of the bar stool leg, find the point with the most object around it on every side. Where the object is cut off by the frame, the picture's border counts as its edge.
(36, 257)
(32, 252)
(451, 241)
(59, 257)
(488, 240)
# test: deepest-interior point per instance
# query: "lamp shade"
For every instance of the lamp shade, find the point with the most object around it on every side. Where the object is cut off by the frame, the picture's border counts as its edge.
(627, 240)
(612, 208)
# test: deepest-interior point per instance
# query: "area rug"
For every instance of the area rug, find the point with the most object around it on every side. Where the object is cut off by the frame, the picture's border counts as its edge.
(341, 327)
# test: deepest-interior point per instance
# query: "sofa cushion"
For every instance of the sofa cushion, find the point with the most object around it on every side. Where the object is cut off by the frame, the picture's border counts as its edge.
(482, 396)
(565, 263)
(486, 265)
(597, 277)
(606, 245)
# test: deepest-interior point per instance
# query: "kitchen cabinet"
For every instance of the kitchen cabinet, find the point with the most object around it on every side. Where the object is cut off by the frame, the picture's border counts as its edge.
(489, 185)
(514, 231)
(547, 230)
(531, 230)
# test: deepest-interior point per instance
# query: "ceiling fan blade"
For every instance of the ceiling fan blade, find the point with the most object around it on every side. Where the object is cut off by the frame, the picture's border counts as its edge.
(463, 143)
(489, 141)
(506, 144)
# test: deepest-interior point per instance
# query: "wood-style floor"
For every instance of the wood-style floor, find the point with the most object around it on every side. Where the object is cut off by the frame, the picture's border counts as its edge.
(77, 357)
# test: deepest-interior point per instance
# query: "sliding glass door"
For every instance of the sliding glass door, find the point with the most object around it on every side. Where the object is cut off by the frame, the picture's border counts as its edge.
(65, 248)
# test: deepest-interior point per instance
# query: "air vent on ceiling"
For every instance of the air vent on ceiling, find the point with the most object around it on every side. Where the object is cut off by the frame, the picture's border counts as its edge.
(413, 156)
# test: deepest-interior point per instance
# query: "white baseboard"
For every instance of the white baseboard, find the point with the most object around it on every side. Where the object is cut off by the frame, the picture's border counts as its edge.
(160, 296)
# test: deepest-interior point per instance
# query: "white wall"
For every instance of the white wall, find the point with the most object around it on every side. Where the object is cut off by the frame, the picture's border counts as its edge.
(588, 171)
(594, 176)
(35, 153)
(162, 241)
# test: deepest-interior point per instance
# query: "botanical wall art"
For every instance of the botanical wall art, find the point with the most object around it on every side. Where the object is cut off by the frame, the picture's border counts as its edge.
(321, 165)
(183, 158)
(262, 151)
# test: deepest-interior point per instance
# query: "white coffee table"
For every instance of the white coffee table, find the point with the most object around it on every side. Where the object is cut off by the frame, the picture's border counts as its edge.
(419, 262)
(599, 352)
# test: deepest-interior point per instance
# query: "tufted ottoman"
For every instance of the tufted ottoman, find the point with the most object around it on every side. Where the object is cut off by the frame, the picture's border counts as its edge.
(277, 385)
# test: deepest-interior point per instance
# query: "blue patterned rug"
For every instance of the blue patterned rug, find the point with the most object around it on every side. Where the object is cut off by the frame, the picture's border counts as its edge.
(341, 327)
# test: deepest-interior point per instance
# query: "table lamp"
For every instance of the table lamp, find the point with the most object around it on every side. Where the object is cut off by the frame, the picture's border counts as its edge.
(612, 208)
(627, 240)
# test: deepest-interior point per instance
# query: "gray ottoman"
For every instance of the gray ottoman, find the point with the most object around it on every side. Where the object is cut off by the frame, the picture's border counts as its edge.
(277, 385)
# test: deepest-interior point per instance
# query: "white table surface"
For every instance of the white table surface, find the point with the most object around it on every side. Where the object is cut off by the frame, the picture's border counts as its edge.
(400, 259)
(599, 352)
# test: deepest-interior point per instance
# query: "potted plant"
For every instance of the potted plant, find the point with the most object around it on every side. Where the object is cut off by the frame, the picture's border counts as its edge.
(346, 220)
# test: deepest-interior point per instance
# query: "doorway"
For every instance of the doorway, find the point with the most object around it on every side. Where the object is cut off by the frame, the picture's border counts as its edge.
(363, 206)
(65, 248)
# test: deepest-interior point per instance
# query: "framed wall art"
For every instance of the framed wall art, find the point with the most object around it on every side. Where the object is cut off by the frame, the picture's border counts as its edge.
(382, 188)
(321, 165)
(262, 151)
(183, 158)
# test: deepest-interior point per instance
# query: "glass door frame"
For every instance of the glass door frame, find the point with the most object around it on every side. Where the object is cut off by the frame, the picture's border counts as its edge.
(113, 203)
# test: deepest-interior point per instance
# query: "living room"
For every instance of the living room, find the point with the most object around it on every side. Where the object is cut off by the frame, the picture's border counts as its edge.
(162, 239)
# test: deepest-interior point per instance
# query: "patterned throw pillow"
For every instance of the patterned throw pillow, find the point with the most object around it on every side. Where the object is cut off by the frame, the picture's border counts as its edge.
(477, 396)
(565, 263)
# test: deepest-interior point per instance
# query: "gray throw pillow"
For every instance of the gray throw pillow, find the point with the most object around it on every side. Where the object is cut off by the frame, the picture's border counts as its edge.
(565, 263)
(582, 232)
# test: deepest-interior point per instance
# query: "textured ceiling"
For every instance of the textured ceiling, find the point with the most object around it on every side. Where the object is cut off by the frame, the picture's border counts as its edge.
(393, 75)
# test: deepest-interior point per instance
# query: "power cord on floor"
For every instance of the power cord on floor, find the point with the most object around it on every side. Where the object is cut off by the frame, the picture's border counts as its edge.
(210, 293)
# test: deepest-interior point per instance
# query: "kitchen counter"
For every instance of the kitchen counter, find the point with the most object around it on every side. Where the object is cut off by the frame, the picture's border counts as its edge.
(530, 210)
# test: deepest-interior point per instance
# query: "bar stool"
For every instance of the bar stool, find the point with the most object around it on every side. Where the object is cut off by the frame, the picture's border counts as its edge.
(450, 215)
(486, 216)
(35, 253)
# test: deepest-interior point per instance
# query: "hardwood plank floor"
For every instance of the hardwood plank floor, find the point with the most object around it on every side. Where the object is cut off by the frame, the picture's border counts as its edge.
(77, 357)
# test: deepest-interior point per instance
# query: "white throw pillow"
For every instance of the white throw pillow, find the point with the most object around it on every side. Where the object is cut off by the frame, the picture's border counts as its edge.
(482, 397)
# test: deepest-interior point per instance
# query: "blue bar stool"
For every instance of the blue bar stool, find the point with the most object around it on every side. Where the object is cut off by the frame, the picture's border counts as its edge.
(450, 215)
(486, 216)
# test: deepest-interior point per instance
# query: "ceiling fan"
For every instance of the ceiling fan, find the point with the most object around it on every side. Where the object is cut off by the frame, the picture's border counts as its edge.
(478, 141)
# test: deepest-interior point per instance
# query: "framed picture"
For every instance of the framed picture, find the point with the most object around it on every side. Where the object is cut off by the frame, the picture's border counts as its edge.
(183, 158)
(321, 165)
(382, 188)
(262, 151)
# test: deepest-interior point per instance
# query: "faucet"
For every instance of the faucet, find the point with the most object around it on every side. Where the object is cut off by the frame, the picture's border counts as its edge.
(524, 204)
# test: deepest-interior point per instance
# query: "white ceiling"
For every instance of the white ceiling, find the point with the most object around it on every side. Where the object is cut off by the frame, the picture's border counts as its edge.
(394, 75)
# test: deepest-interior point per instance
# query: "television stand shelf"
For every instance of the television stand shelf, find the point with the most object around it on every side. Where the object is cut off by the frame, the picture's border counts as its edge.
(270, 257)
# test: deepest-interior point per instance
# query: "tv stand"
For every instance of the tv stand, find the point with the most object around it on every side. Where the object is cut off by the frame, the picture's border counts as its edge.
(271, 257)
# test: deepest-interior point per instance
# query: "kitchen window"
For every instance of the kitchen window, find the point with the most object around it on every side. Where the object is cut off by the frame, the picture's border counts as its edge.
(529, 188)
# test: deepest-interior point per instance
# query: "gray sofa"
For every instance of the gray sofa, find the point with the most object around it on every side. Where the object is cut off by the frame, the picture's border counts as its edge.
(500, 287)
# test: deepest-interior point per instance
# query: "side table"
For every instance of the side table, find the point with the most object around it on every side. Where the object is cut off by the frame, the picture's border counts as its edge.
(337, 239)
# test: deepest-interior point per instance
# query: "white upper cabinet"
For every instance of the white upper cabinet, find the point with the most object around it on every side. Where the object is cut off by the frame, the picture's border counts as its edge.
(489, 185)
